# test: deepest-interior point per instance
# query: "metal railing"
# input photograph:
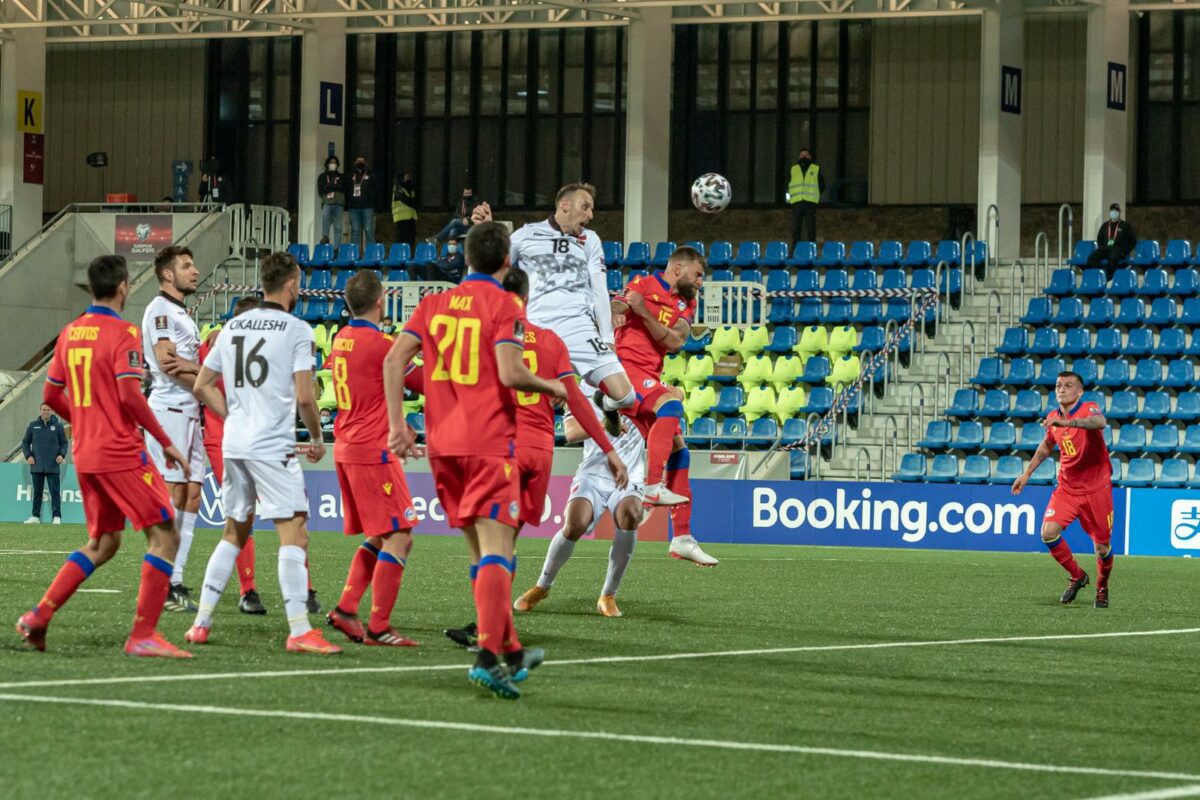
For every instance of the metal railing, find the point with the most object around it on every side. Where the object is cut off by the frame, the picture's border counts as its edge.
(967, 248)
(862, 451)
(968, 345)
(915, 390)
(987, 326)
(991, 222)
(5, 231)
(891, 444)
(1041, 258)
(938, 383)
(1070, 231)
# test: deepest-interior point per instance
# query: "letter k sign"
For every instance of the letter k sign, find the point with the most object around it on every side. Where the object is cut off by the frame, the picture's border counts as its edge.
(29, 112)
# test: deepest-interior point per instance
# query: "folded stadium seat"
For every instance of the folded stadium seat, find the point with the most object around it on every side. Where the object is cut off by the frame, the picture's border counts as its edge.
(897, 309)
(803, 255)
(1148, 373)
(1101, 313)
(1038, 312)
(1138, 474)
(1088, 371)
(919, 254)
(923, 278)
(1178, 253)
(1048, 372)
(889, 255)
(872, 340)
(786, 371)
(966, 404)
(1162, 312)
(322, 254)
(816, 370)
(1174, 474)
(1045, 342)
(747, 257)
(1092, 284)
(844, 372)
(955, 279)
(321, 279)
(997, 404)
(764, 432)
(937, 436)
(1108, 436)
(1069, 314)
(976, 469)
(1187, 407)
(1171, 343)
(1181, 374)
(417, 422)
(810, 311)
(943, 469)
(836, 280)
(1062, 283)
(637, 256)
(833, 254)
(814, 340)
(798, 465)
(1117, 468)
(1020, 373)
(662, 255)
(612, 254)
(760, 402)
(1145, 254)
(842, 341)
(788, 402)
(861, 254)
(338, 312)
(894, 279)
(299, 252)
(726, 339)
(779, 310)
(1156, 407)
(674, 366)
(1015, 341)
(616, 281)
(864, 279)
(327, 399)
(783, 339)
(1191, 440)
(397, 275)
(398, 255)
(991, 373)
(839, 312)
(339, 283)
(720, 255)
(912, 468)
(1077, 342)
(948, 251)
(1154, 283)
(347, 254)
(321, 338)
(315, 309)
(1122, 406)
(1027, 405)
(634, 274)
(1186, 283)
(1030, 437)
(754, 341)
(1131, 438)
(209, 328)
(968, 438)
(793, 430)
(1083, 250)
(1001, 438)
(729, 401)
(820, 400)
(1164, 440)
(700, 433)
(372, 256)
(698, 370)
(1124, 283)
(1006, 470)
(755, 370)
(719, 276)
(1116, 373)
(423, 256)
(732, 435)
(699, 402)
(775, 256)
(978, 257)
(1190, 317)
(1044, 474)
(1107, 344)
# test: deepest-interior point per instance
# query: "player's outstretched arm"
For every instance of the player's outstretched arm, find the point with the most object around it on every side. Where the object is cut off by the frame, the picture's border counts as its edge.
(515, 375)
(395, 364)
(206, 391)
(1095, 422)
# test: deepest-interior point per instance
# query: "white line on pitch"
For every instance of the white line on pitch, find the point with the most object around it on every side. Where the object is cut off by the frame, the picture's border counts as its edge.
(551, 733)
(819, 648)
(35, 552)
(1157, 794)
(100, 591)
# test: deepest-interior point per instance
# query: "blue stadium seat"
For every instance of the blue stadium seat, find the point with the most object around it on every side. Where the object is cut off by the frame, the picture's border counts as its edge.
(1156, 407)
(794, 429)
(839, 310)
(1146, 374)
(1077, 342)
(315, 309)
(300, 253)
(417, 421)
(861, 254)
(347, 254)
(398, 255)
(820, 400)
(321, 256)
(966, 404)
(1164, 439)
(764, 432)
(1138, 474)
(637, 256)
(751, 276)
(1062, 283)
(798, 465)
(809, 312)
(1187, 407)
(1092, 284)
(1044, 474)
(948, 251)
(1108, 436)
(1191, 440)
(1139, 344)
(889, 255)
(372, 256)
(1162, 312)
(747, 256)
(1186, 283)
(729, 400)
(701, 432)
(338, 312)
(996, 405)
(1117, 468)
(1171, 343)
(612, 254)
(720, 276)
(803, 255)
(944, 469)
(1116, 373)
(1048, 372)
(991, 372)
(697, 246)
(1122, 406)
(1027, 405)
(1190, 317)
(1124, 283)
(833, 254)
(1015, 342)
(320, 279)
(1145, 254)
(339, 285)
(1174, 474)
(783, 340)
(1038, 313)
(423, 256)
(697, 344)
(1002, 437)
(898, 309)
(1178, 253)
(1100, 313)
(863, 279)
(616, 281)
(233, 301)
(1031, 437)
(968, 438)
(720, 254)
(871, 340)
(816, 370)
(1180, 374)
(1154, 284)
(1083, 249)
(976, 469)
(919, 254)
(1088, 371)
(1045, 342)
(923, 278)
(662, 254)
(1107, 344)
(807, 280)
(397, 275)
(836, 280)
(894, 279)
(1020, 373)
(868, 312)
(1131, 438)
(1069, 314)
(937, 435)
(1006, 470)
(775, 256)
(912, 468)
(780, 310)
(634, 274)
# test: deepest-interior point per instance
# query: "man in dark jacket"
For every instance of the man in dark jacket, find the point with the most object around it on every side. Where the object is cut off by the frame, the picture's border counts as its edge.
(360, 199)
(45, 447)
(331, 188)
(1114, 241)
(460, 224)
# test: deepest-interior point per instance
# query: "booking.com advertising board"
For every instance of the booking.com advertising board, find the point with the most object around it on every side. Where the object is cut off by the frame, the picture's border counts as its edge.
(898, 515)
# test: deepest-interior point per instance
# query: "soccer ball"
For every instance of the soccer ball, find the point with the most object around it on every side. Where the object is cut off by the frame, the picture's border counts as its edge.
(711, 193)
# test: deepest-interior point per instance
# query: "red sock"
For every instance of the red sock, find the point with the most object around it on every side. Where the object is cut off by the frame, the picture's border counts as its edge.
(385, 588)
(74, 571)
(362, 567)
(493, 603)
(245, 567)
(678, 482)
(658, 447)
(1062, 554)
(152, 593)
(1103, 570)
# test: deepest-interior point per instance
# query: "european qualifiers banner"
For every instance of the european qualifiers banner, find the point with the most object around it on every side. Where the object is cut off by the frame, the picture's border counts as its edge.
(139, 236)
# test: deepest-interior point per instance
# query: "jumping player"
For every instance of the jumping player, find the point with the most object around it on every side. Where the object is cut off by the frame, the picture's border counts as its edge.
(94, 382)
(472, 340)
(653, 317)
(1084, 490)
(171, 342)
(214, 430)
(375, 493)
(266, 358)
(593, 492)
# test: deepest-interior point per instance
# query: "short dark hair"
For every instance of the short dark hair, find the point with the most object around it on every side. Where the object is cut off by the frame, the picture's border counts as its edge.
(105, 274)
(362, 292)
(244, 304)
(165, 257)
(572, 188)
(690, 255)
(487, 247)
(276, 270)
(517, 282)
(1068, 374)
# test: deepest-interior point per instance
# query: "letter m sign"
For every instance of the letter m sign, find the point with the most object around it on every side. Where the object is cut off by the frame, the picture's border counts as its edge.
(1116, 86)
(1010, 90)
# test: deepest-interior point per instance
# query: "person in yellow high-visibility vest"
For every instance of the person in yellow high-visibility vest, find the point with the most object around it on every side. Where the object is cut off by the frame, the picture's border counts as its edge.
(805, 186)
(404, 209)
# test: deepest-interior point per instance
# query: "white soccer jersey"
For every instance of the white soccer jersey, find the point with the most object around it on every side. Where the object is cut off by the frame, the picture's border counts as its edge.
(257, 354)
(630, 446)
(168, 318)
(567, 282)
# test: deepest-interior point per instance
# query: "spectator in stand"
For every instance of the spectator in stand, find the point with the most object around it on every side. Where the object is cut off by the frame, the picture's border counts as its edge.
(45, 447)
(460, 224)
(806, 184)
(404, 209)
(326, 425)
(361, 202)
(331, 188)
(1114, 241)
(450, 268)
(388, 326)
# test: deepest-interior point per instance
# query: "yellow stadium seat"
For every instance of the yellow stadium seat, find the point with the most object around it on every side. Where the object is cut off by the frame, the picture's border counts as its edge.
(699, 370)
(673, 369)
(332, 330)
(788, 402)
(328, 399)
(814, 341)
(208, 329)
(321, 337)
(842, 341)
(785, 371)
(760, 402)
(725, 340)
(755, 370)
(699, 402)
(415, 405)
(754, 341)
(844, 372)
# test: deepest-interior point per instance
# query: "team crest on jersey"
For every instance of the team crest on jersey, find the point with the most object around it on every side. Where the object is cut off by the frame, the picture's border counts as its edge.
(148, 477)
(1049, 513)
(682, 305)
(410, 514)
(513, 509)
(160, 323)
(648, 383)
(387, 488)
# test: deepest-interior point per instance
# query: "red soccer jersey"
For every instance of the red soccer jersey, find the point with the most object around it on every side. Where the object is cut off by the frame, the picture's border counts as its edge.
(636, 348)
(546, 356)
(214, 426)
(1083, 457)
(468, 412)
(93, 352)
(361, 429)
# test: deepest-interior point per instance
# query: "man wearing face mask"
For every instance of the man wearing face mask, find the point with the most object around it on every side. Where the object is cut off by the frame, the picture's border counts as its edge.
(451, 266)
(331, 188)
(1114, 242)
(460, 224)
(805, 186)
(361, 202)
(404, 209)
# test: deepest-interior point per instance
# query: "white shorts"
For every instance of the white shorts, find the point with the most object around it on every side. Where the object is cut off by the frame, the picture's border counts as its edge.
(277, 486)
(593, 359)
(603, 494)
(185, 433)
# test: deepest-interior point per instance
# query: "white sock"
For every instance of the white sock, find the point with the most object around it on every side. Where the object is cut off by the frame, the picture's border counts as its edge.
(557, 556)
(185, 523)
(293, 582)
(216, 576)
(625, 402)
(619, 556)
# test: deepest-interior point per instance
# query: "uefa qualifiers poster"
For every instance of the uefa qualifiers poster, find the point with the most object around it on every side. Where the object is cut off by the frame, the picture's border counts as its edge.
(140, 236)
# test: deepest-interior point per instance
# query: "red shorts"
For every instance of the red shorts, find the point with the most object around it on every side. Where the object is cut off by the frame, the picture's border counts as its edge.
(649, 390)
(1094, 512)
(477, 486)
(216, 459)
(375, 499)
(109, 498)
(533, 467)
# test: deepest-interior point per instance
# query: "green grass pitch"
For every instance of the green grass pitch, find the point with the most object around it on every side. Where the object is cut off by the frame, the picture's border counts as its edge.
(799, 708)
